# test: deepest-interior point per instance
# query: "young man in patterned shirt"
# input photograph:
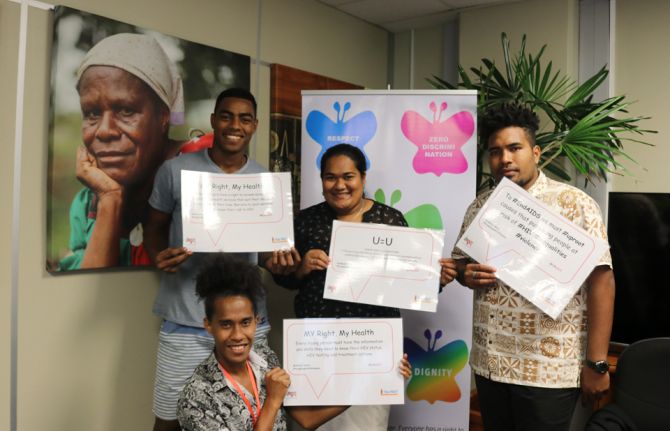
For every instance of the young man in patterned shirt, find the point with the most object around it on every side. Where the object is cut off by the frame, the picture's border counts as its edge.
(528, 367)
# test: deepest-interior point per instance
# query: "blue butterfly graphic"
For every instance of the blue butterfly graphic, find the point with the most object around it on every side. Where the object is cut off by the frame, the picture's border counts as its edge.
(357, 131)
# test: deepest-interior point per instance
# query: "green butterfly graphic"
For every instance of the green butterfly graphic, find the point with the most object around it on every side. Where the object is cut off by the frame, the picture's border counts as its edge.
(423, 216)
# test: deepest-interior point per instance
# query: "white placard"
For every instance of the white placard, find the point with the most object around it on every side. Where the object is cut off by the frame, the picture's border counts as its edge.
(343, 361)
(540, 254)
(236, 213)
(392, 266)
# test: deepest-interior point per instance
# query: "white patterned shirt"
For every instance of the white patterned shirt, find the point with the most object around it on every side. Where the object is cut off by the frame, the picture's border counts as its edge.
(513, 341)
(209, 402)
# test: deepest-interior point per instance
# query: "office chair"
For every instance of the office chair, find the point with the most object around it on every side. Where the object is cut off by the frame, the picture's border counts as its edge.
(641, 390)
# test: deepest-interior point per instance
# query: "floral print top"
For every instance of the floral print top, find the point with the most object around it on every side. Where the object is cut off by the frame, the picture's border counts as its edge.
(209, 402)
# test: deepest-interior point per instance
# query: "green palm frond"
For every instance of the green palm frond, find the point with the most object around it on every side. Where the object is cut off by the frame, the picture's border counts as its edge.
(589, 135)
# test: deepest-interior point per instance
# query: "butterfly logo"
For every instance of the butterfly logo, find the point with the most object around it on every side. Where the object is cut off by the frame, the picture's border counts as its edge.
(468, 241)
(434, 371)
(424, 216)
(439, 142)
(356, 131)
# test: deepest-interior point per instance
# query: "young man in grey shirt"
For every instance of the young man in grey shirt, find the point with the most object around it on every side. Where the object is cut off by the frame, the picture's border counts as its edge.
(183, 342)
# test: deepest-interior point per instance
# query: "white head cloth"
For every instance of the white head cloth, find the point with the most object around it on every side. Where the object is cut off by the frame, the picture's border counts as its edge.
(144, 58)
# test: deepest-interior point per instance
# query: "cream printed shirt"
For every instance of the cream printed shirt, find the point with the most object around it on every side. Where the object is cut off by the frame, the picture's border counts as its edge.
(512, 340)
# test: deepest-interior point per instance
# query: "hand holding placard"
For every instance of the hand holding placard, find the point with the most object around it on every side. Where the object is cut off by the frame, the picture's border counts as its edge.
(538, 253)
(393, 266)
(236, 213)
(343, 361)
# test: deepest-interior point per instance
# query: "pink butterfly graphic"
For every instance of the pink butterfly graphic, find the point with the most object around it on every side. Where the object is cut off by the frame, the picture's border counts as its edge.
(439, 142)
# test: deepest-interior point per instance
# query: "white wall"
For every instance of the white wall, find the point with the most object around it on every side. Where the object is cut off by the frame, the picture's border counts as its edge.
(9, 19)
(427, 44)
(550, 22)
(402, 60)
(428, 55)
(641, 63)
(87, 342)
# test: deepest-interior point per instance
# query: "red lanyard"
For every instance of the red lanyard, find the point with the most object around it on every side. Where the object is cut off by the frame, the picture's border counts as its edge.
(254, 415)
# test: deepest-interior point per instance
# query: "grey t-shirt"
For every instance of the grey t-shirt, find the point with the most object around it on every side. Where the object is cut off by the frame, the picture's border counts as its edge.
(176, 300)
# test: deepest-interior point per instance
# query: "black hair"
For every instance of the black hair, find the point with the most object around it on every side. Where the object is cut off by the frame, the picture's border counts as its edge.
(505, 115)
(224, 276)
(238, 93)
(354, 153)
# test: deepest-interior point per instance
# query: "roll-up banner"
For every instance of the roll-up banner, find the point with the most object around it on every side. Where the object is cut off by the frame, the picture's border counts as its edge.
(421, 159)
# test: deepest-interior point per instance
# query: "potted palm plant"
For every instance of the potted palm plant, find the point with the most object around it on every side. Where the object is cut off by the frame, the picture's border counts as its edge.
(588, 134)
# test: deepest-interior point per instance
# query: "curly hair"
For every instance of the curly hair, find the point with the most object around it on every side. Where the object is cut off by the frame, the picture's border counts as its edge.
(224, 276)
(509, 115)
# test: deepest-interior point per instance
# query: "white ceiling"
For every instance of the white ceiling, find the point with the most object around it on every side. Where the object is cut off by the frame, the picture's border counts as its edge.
(400, 15)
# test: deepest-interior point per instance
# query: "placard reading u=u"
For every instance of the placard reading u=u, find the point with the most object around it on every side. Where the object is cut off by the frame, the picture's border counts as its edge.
(236, 213)
(391, 266)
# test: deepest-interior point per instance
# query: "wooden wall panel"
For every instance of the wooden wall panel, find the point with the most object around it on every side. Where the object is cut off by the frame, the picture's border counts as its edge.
(288, 82)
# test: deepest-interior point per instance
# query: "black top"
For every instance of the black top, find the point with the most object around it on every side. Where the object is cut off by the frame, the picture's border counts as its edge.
(313, 228)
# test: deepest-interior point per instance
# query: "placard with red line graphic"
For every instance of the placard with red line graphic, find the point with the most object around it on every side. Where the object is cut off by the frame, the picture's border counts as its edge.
(536, 251)
(392, 266)
(343, 361)
(236, 213)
